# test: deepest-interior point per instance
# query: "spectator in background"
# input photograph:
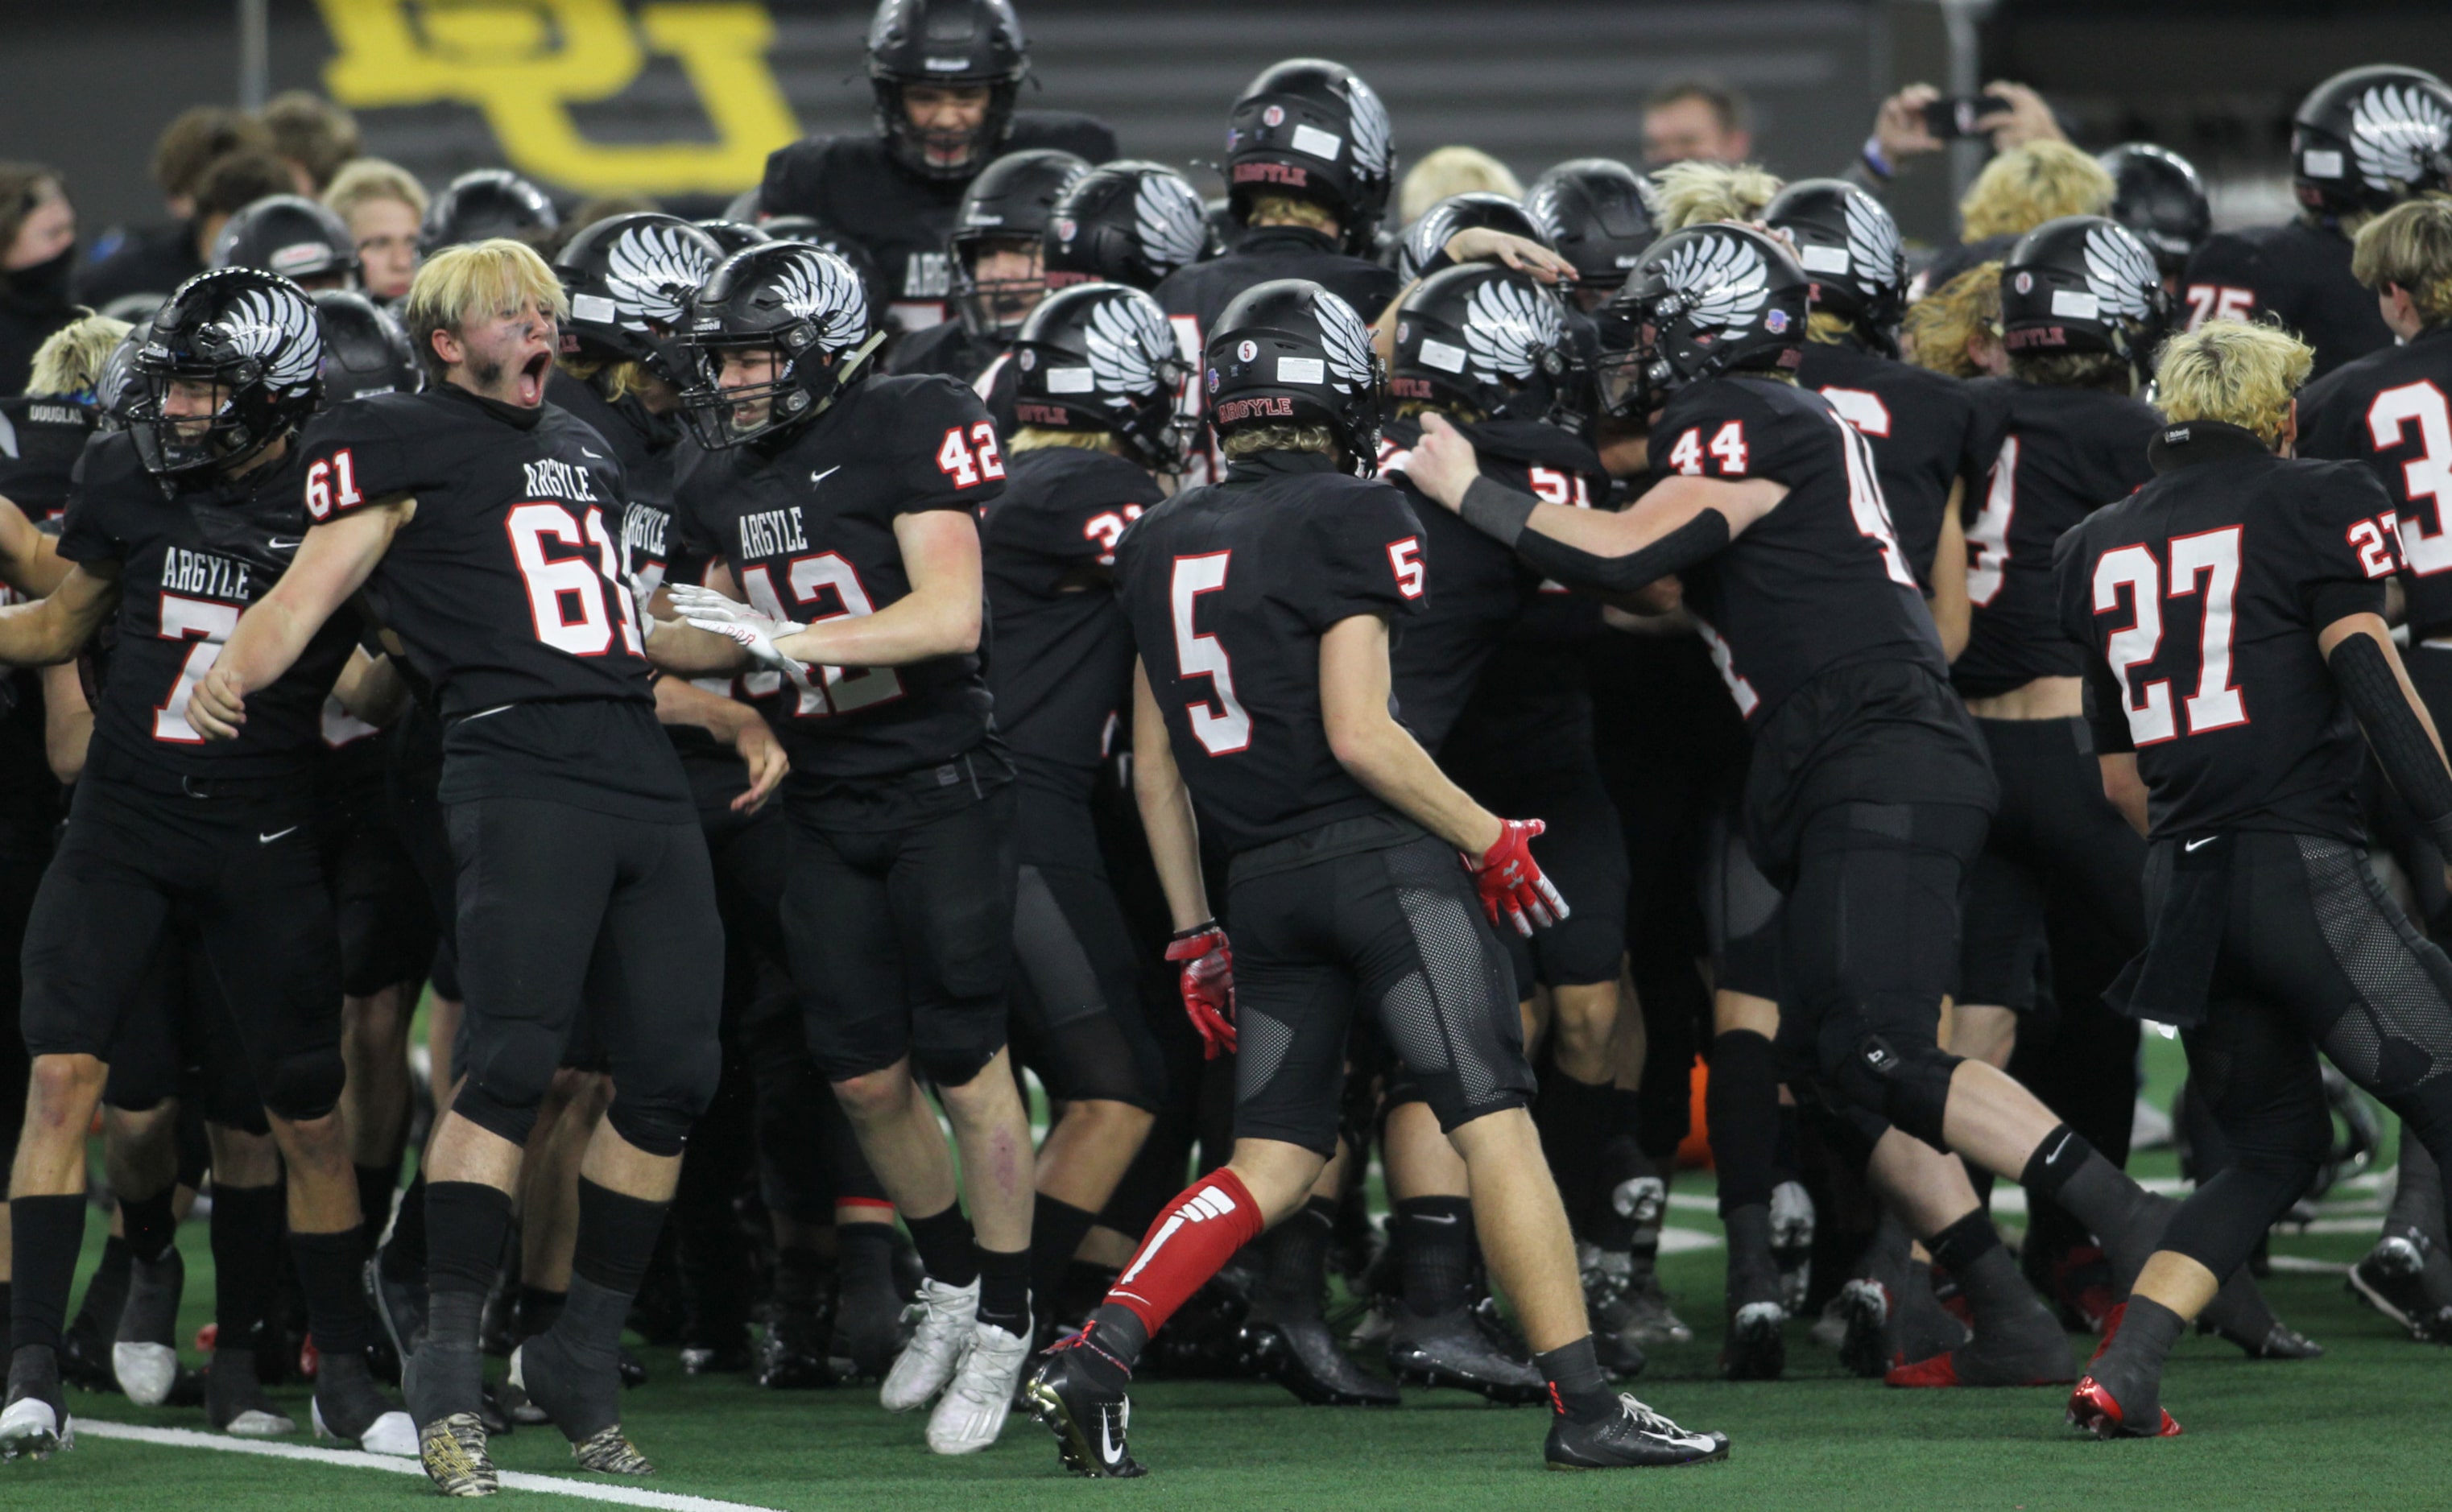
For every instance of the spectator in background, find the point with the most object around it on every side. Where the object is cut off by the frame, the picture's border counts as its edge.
(37, 248)
(1900, 135)
(230, 185)
(2017, 192)
(159, 258)
(1453, 170)
(312, 134)
(382, 205)
(1698, 117)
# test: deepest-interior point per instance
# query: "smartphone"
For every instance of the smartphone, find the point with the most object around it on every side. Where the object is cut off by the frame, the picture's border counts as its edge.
(1947, 118)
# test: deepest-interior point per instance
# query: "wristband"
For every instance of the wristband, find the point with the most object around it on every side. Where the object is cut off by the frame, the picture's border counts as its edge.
(1498, 511)
(1874, 158)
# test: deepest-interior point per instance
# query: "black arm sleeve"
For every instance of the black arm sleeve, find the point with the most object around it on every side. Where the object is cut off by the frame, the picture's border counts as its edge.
(1504, 514)
(2402, 748)
(2106, 713)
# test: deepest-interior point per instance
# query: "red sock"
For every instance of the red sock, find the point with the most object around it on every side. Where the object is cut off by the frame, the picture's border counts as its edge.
(1199, 1232)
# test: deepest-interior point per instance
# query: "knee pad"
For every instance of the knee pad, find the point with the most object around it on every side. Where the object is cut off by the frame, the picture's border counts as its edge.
(654, 1110)
(304, 1086)
(1905, 1082)
(492, 1113)
(656, 1127)
(942, 1064)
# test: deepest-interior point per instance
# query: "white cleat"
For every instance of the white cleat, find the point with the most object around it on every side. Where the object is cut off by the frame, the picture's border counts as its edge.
(973, 1410)
(257, 1423)
(144, 1371)
(945, 1317)
(394, 1433)
(31, 1430)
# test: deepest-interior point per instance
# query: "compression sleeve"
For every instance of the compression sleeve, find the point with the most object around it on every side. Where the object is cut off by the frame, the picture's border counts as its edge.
(1504, 515)
(2402, 748)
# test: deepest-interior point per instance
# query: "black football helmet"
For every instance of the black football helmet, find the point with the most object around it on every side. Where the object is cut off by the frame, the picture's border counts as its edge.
(254, 338)
(2085, 284)
(1489, 341)
(1849, 246)
(1311, 129)
(1013, 199)
(1485, 208)
(1126, 222)
(292, 235)
(945, 42)
(486, 203)
(1700, 303)
(805, 309)
(1593, 212)
(2159, 196)
(1104, 356)
(365, 349)
(630, 278)
(818, 234)
(734, 235)
(113, 390)
(1290, 350)
(2366, 139)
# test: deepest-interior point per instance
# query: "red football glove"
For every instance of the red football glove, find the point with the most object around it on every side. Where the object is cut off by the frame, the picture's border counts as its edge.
(1208, 983)
(1511, 880)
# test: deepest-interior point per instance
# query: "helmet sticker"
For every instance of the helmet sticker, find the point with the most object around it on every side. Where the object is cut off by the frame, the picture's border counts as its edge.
(1725, 279)
(1374, 140)
(1311, 141)
(1170, 220)
(2395, 130)
(1301, 370)
(2119, 272)
(1273, 115)
(1247, 350)
(1505, 323)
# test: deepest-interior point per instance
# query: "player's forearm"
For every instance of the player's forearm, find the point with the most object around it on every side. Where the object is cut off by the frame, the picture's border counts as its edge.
(2377, 688)
(2126, 788)
(38, 635)
(370, 689)
(30, 560)
(682, 704)
(1618, 557)
(271, 638)
(1384, 756)
(679, 647)
(1168, 821)
(913, 629)
(1952, 614)
(67, 723)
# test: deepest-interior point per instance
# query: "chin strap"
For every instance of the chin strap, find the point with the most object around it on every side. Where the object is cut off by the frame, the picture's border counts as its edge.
(848, 369)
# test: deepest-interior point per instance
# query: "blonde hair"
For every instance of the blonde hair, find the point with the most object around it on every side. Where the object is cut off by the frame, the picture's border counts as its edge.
(1246, 440)
(2107, 371)
(1695, 192)
(1286, 210)
(491, 278)
(622, 378)
(1453, 170)
(2234, 371)
(1040, 437)
(1828, 330)
(1938, 327)
(2025, 187)
(2409, 244)
(364, 179)
(70, 358)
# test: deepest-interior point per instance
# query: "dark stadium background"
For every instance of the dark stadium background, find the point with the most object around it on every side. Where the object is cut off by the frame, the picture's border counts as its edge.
(87, 87)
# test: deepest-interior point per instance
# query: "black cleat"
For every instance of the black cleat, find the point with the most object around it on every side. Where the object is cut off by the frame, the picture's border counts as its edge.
(2239, 1314)
(2405, 1278)
(1863, 1303)
(867, 1330)
(1756, 1346)
(581, 1401)
(1301, 1355)
(1637, 1438)
(1089, 1420)
(1453, 1349)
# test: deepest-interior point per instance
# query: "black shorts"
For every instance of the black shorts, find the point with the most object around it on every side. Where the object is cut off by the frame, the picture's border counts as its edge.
(1078, 1020)
(2054, 838)
(244, 868)
(902, 940)
(566, 912)
(383, 905)
(177, 1040)
(1397, 928)
(1741, 910)
(1582, 851)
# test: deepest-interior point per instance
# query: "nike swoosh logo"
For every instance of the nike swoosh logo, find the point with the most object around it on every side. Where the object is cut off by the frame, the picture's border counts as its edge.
(262, 839)
(1437, 1218)
(585, 452)
(815, 479)
(279, 544)
(2192, 845)
(1109, 1450)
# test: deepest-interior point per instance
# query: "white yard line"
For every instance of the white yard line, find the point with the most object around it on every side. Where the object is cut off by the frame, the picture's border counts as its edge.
(359, 1459)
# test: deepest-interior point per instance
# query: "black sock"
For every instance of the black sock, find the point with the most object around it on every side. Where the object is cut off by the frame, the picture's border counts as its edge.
(1004, 1289)
(617, 1237)
(1785, 1165)
(864, 1256)
(331, 1269)
(1434, 1242)
(106, 1291)
(1295, 1265)
(377, 1186)
(46, 1234)
(1981, 1178)
(2130, 1368)
(1741, 1104)
(1964, 1242)
(246, 1261)
(1113, 1341)
(404, 1257)
(1056, 1229)
(2070, 1171)
(538, 1308)
(1578, 1391)
(468, 1222)
(2418, 1190)
(948, 1252)
(151, 1225)
(8, 1295)
(1573, 1117)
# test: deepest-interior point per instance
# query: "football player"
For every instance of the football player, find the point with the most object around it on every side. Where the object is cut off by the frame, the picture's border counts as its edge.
(473, 516)
(2387, 410)
(1869, 793)
(2361, 142)
(995, 254)
(165, 819)
(2017, 192)
(2159, 195)
(2232, 613)
(294, 237)
(1126, 222)
(1260, 608)
(843, 505)
(484, 203)
(1594, 213)
(946, 74)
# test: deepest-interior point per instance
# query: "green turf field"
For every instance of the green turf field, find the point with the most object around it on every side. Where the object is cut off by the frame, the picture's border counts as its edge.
(2364, 1426)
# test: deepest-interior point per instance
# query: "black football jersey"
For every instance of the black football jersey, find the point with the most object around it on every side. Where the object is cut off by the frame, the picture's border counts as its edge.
(1063, 661)
(40, 440)
(189, 564)
(2388, 410)
(1228, 588)
(2298, 273)
(2063, 454)
(808, 529)
(1482, 591)
(1820, 581)
(1926, 432)
(2198, 599)
(852, 184)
